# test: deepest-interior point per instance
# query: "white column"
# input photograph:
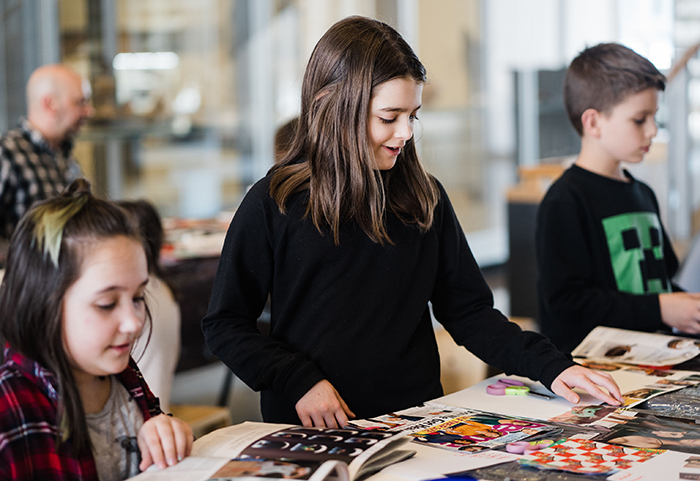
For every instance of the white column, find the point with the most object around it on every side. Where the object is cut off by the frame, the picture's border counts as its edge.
(407, 22)
(680, 195)
(261, 87)
(48, 25)
(528, 118)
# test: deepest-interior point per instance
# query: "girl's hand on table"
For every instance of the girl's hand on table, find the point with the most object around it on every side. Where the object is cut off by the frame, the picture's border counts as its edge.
(322, 406)
(164, 441)
(588, 380)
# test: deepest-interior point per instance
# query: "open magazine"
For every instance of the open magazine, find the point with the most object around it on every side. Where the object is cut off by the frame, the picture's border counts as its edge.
(643, 430)
(250, 451)
(454, 428)
(633, 347)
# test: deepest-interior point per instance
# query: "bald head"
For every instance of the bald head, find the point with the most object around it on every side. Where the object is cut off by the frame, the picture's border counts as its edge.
(51, 80)
(57, 102)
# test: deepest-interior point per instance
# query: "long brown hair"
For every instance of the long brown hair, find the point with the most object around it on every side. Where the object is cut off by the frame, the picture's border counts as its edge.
(44, 259)
(330, 155)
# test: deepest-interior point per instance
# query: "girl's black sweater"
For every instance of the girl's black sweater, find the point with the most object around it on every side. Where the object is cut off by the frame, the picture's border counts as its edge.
(357, 313)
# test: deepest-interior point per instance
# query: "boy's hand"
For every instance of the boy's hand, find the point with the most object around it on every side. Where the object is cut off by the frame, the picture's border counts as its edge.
(681, 310)
(322, 406)
(164, 441)
(588, 380)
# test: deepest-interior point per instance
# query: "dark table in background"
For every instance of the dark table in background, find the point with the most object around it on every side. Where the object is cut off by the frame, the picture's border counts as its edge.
(192, 280)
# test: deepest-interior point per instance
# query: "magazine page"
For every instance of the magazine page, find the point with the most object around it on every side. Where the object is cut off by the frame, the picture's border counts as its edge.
(358, 448)
(641, 430)
(431, 463)
(412, 418)
(584, 456)
(456, 429)
(362, 450)
(230, 441)
(683, 404)
(633, 347)
(384, 453)
(583, 415)
(635, 388)
(529, 407)
(192, 468)
(243, 469)
(668, 465)
(250, 469)
(617, 367)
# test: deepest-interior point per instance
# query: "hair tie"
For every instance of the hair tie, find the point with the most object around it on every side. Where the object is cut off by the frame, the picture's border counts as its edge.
(49, 223)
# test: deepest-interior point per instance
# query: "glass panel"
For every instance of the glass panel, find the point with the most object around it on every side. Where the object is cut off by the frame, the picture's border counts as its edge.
(188, 106)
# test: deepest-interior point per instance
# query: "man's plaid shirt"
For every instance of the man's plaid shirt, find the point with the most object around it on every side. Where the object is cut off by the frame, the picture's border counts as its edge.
(30, 170)
(28, 431)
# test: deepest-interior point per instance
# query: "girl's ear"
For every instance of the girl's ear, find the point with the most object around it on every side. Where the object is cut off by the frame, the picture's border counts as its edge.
(590, 121)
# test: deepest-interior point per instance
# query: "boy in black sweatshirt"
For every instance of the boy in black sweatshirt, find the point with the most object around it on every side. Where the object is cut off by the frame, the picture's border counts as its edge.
(603, 256)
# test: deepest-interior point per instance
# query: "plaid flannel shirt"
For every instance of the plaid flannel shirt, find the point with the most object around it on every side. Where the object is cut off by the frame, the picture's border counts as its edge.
(30, 170)
(28, 430)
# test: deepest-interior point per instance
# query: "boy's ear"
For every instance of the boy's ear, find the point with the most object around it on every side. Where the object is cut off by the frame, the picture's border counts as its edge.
(48, 103)
(590, 121)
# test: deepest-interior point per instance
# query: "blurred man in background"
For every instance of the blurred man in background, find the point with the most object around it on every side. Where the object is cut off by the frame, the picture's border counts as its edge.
(35, 157)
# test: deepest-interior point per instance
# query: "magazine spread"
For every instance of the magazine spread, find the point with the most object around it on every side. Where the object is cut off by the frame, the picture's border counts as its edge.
(633, 347)
(260, 450)
(580, 455)
(453, 428)
(641, 430)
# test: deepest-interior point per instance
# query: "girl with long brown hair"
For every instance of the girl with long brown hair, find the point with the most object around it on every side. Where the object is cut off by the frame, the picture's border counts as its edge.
(352, 239)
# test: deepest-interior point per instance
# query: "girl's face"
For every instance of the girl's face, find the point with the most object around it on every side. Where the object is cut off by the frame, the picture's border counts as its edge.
(392, 111)
(104, 310)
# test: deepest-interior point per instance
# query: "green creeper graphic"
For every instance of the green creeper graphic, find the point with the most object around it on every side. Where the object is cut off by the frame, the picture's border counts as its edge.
(637, 252)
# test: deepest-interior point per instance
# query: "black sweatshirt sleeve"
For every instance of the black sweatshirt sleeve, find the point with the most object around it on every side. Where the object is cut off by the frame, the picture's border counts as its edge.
(242, 285)
(463, 303)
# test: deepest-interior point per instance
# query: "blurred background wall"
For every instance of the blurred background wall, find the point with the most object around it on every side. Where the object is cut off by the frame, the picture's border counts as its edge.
(189, 93)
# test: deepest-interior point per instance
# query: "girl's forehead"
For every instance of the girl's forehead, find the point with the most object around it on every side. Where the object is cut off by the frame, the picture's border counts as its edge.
(398, 90)
(119, 255)
(107, 247)
(408, 82)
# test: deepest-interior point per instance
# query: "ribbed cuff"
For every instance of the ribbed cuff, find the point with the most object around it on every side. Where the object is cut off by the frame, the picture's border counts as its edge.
(300, 380)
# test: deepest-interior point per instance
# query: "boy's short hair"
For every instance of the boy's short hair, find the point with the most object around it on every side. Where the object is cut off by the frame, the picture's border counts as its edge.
(601, 77)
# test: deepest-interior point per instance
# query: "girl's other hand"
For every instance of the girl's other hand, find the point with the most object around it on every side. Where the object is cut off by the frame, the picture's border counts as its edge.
(588, 380)
(164, 441)
(322, 406)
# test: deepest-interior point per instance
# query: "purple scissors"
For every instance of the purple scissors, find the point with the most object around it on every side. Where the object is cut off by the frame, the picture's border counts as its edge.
(513, 388)
(525, 447)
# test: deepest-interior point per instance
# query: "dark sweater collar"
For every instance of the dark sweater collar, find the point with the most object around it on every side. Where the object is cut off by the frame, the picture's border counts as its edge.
(581, 171)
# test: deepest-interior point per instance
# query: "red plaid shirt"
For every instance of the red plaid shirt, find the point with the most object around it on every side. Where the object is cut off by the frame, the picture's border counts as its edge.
(28, 408)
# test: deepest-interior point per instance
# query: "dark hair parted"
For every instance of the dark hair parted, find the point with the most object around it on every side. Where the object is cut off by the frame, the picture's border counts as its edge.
(44, 259)
(330, 155)
(602, 76)
(150, 228)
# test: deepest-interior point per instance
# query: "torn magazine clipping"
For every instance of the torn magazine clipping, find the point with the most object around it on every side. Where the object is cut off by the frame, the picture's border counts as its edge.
(633, 347)
(251, 450)
(453, 428)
